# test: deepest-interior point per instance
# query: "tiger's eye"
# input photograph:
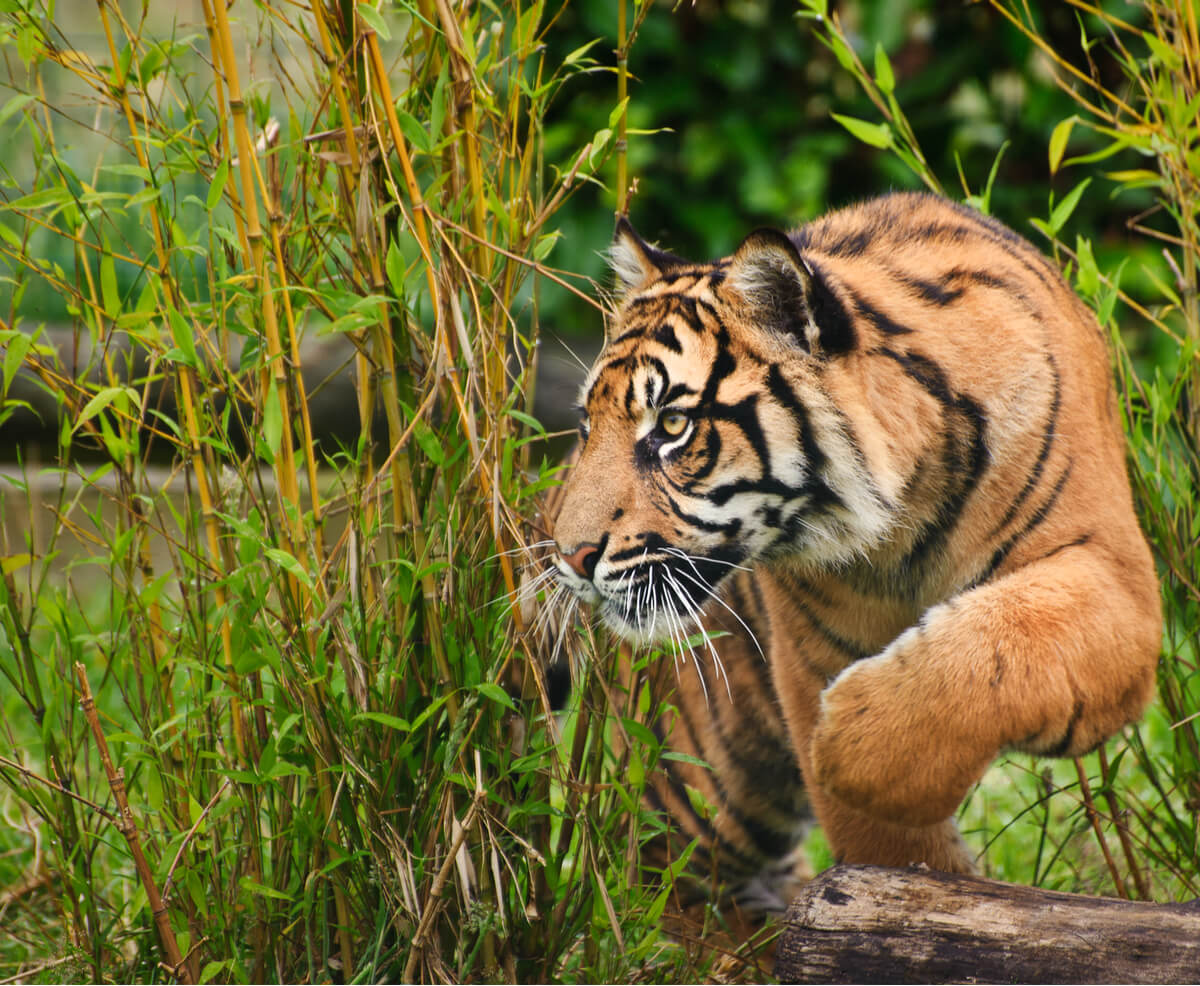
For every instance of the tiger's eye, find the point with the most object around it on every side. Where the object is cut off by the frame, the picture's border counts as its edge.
(673, 423)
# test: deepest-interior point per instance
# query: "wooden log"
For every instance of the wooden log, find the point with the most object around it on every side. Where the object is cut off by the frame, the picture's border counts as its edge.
(872, 924)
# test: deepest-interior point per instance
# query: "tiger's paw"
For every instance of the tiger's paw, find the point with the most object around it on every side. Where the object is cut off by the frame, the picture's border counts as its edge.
(887, 751)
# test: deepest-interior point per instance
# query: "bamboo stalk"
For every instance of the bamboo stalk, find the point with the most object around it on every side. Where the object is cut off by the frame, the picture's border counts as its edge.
(1094, 818)
(185, 971)
(622, 95)
(184, 384)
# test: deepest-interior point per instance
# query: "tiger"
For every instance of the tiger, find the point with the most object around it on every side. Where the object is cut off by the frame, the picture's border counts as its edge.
(866, 480)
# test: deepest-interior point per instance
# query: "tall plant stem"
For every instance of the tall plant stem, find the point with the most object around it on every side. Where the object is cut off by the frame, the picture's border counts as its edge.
(185, 971)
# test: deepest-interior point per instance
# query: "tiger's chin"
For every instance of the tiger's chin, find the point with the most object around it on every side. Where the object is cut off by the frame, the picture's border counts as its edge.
(646, 628)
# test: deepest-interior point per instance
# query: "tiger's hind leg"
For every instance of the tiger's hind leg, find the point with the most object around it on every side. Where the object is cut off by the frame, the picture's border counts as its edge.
(1051, 658)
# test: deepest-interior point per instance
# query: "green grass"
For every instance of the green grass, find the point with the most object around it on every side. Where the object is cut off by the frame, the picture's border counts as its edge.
(332, 737)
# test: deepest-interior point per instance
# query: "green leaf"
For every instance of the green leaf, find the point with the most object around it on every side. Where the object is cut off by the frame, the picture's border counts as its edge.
(272, 423)
(393, 264)
(120, 396)
(1087, 277)
(497, 694)
(217, 188)
(258, 888)
(11, 563)
(600, 144)
(185, 344)
(579, 52)
(385, 719)
(289, 563)
(544, 244)
(1058, 141)
(438, 102)
(15, 105)
(1062, 212)
(55, 195)
(14, 355)
(417, 135)
(374, 20)
(618, 111)
(641, 732)
(429, 442)
(885, 78)
(874, 134)
(843, 54)
(527, 419)
(1164, 52)
(110, 296)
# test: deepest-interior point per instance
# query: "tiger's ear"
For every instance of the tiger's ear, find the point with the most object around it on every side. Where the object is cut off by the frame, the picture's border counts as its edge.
(634, 261)
(785, 294)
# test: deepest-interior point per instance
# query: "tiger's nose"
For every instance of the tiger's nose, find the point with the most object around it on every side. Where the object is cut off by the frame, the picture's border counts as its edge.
(583, 560)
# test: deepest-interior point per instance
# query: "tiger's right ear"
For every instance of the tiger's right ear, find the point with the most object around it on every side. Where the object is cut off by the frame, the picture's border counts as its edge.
(634, 261)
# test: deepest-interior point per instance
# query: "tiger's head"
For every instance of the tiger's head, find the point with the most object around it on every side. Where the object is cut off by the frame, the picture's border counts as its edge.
(709, 435)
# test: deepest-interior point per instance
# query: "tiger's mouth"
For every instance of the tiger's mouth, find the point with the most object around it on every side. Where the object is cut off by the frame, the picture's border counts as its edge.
(656, 600)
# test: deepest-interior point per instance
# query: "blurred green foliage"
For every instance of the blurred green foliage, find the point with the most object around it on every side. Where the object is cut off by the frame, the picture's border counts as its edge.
(735, 98)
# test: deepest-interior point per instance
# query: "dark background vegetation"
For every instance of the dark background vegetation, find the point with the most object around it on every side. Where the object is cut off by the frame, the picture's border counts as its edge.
(736, 97)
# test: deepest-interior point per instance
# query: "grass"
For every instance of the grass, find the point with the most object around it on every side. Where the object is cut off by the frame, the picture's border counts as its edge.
(338, 758)
(305, 673)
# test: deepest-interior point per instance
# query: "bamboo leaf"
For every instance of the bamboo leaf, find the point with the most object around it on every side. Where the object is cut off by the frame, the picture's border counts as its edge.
(217, 188)
(1062, 212)
(885, 78)
(122, 397)
(874, 134)
(17, 348)
(385, 719)
(109, 294)
(185, 345)
(262, 889)
(374, 20)
(1058, 141)
(497, 694)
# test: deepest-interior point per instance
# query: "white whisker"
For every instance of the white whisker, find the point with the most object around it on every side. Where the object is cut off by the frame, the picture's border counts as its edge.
(679, 553)
(700, 581)
(690, 606)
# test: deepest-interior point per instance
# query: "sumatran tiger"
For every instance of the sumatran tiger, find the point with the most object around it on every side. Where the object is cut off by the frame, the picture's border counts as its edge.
(877, 463)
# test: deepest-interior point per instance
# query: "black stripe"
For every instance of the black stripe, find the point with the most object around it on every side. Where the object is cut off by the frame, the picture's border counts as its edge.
(723, 365)
(1039, 463)
(848, 244)
(712, 453)
(729, 528)
(930, 291)
(702, 826)
(821, 494)
(800, 588)
(1011, 243)
(964, 455)
(1064, 744)
(1034, 520)
(744, 414)
(772, 843)
(884, 323)
(664, 335)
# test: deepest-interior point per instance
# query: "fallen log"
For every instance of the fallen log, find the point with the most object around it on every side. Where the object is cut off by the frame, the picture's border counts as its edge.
(872, 924)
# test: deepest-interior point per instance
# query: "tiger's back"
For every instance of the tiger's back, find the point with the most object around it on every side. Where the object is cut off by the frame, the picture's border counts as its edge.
(900, 422)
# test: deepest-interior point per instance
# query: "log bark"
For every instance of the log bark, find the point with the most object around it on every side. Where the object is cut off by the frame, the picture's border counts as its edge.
(871, 924)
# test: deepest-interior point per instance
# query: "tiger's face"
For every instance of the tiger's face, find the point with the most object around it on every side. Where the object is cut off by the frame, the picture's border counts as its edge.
(700, 425)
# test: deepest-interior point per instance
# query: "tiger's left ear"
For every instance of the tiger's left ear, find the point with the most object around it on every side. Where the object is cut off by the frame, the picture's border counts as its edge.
(634, 261)
(786, 295)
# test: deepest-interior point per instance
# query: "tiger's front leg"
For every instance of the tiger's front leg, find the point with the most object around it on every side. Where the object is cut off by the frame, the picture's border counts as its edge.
(1051, 659)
